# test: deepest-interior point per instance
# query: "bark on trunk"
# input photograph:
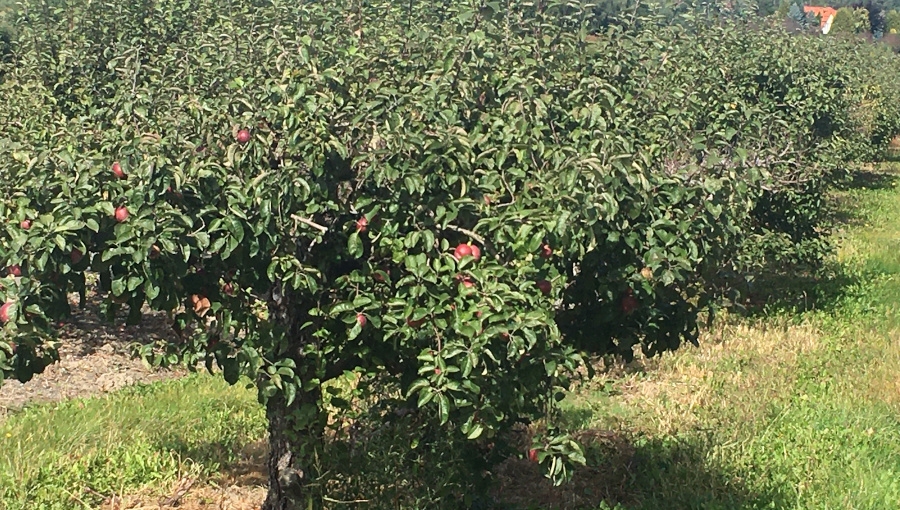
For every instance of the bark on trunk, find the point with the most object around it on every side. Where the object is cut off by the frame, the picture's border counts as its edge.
(290, 456)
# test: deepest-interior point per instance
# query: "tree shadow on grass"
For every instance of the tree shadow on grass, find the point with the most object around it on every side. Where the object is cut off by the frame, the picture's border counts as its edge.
(799, 289)
(228, 462)
(633, 474)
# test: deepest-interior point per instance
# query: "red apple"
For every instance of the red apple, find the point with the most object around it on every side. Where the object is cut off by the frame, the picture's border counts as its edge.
(121, 213)
(5, 311)
(437, 371)
(416, 323)
(154, 252)
(546, 251)
(629, 303)
(25, 224)
(228, 289)
(533, 456)
(14, 270)
(544, 287)
(462, 250)
(361, 319)
(243, 136)
(476, 252)
(362, 224)
(76, 255)
(117, 170)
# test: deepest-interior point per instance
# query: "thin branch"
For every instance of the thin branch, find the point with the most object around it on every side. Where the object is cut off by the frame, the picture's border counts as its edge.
(352, 501)
(311, 223)
(467, 232)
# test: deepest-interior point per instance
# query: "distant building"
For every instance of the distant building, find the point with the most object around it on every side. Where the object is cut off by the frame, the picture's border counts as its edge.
(825, 15)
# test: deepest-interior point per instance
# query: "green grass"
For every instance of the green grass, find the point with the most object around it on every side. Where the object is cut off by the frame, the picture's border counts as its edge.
(72, 454)
(799, 409)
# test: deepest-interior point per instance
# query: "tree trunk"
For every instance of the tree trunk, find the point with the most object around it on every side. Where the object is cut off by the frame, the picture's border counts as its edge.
(291, 454)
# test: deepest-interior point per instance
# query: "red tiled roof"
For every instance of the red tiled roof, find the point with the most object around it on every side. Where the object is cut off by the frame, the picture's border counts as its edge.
(822, 12)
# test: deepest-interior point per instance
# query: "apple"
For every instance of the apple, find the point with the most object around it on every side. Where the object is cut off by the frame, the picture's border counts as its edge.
(25, 224)
(647, 273)
(5, 311)
(361, 319)
(362, 224)
(228, 289)
(117, 170)
(121, 213)
(416, 323)
(154, 252)
(533, 456)
(437, 371)
(544, 287)
(546, 251)
(476, 252)
(462, 250)
(76, 255)
(243, 136)
(629, 303)
(14, 270)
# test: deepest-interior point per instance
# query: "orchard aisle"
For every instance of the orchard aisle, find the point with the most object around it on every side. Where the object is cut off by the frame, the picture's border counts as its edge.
(796, 408)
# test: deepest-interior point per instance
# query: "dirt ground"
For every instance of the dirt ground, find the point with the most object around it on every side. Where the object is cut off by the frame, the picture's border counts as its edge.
(94, 358)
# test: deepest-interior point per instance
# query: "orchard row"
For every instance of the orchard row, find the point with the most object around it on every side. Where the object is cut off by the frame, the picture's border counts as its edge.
(457, 205)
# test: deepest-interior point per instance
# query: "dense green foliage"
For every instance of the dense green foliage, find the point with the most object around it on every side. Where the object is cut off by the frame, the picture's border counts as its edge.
(617, 184)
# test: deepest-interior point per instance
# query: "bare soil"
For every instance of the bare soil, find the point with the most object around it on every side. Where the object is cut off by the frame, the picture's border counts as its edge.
(95, 358)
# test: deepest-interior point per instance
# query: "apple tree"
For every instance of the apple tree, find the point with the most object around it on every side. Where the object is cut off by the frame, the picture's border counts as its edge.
(451, 205)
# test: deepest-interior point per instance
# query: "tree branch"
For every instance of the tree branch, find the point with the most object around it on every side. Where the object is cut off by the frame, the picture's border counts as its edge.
(309, 222)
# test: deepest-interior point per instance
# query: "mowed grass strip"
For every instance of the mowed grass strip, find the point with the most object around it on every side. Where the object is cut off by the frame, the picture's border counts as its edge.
(799, 409)
(74, 454)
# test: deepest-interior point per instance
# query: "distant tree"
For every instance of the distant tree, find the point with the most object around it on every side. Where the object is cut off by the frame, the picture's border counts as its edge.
(892, 22)
(850, 20)
(796, 14)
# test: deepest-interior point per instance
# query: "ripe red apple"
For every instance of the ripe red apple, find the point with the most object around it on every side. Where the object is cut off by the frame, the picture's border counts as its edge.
(361, 319)
(437, 371)
(544, 287)
(117, 170)
(546, 251)
(462, 250)
(14, 270)
(121, 213)
(476, 252)
(629, 303)
(76, 255)
(243, 136)
(533, 456)
(362, 224)
(25, 224)
(5, 312)
(416, 323)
